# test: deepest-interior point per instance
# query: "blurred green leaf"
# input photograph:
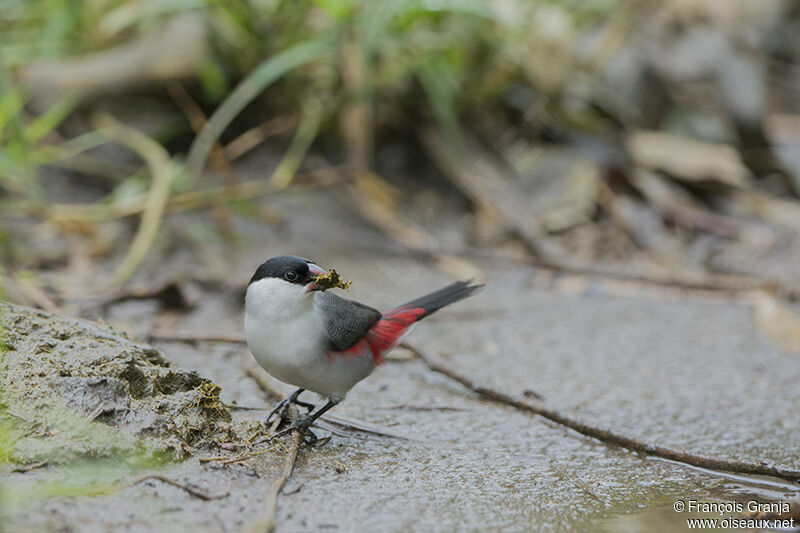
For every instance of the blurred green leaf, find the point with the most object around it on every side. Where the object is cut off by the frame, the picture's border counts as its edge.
(10, 105)
(56, 29)
(51, 119)
(213, 80)
(441, 88)
(338, 10)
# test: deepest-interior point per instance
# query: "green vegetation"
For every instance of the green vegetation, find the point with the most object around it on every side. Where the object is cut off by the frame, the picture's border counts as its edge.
(501, 81)
(447, 57)
(346, 71)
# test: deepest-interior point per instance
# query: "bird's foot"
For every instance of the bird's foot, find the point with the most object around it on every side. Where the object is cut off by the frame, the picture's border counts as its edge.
(282, 406)
(304, 422)
(309, 406)
(301, 424)
(280, 409)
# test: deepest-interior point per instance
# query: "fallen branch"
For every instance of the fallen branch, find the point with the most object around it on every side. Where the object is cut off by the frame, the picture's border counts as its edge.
(266, 522)
(177, 50)
(724, 283)
(764, 468)
(188, 488)
(169, 292)
(437, 365)
(213, 458)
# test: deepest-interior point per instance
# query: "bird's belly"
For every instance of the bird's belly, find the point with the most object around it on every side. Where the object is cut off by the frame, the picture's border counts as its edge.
(341, 372)
(287, 350)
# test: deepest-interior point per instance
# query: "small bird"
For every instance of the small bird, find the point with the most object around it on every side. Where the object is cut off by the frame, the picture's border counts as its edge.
(318, 341)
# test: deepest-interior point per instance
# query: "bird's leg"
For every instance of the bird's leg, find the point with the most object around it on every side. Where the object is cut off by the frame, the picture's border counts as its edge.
(279, 408)
(283, 405)
(304, 422)
(309, 406)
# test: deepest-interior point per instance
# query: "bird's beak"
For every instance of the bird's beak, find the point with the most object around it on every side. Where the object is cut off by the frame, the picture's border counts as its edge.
(316, 271)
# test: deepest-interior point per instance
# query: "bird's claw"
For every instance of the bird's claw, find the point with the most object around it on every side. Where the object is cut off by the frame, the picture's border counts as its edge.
(302, 424)
(309, 406)
(282, 406)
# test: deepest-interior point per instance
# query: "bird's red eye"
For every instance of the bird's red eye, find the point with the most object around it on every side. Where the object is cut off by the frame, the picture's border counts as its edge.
(290, 275)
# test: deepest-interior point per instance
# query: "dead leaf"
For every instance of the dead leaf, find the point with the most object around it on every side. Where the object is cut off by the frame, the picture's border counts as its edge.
(778, 321)
(688, 159)
(780, 211)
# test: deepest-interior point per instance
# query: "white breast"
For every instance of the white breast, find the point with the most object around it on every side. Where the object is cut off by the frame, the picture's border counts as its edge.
(283, 332)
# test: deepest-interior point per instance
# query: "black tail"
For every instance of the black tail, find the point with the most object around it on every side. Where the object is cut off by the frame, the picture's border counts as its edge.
(436, 300)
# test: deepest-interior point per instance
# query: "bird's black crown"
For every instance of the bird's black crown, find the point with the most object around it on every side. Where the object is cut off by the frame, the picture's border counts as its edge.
(286, 267)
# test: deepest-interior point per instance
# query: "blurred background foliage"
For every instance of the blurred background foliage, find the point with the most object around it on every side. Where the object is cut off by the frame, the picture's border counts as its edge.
(658, 140)
(610, 113)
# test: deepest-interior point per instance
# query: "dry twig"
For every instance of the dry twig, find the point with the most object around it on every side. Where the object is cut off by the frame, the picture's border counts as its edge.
(188, 488)
(764, 468)
(258, 134)
(28, 467)
(267, 520)
(169, 292)
(191, 338)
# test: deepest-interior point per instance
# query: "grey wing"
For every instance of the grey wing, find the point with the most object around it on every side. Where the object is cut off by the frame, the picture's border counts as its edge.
(346, 321)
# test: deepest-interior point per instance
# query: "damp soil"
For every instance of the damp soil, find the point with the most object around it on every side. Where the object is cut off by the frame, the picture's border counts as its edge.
(56, 369)
(685, 370)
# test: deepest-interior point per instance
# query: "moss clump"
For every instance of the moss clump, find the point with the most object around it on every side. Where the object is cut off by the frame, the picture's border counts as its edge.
(208, 398)
(332, 280)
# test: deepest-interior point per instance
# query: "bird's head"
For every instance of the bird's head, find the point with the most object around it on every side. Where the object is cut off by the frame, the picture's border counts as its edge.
(289, 274)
